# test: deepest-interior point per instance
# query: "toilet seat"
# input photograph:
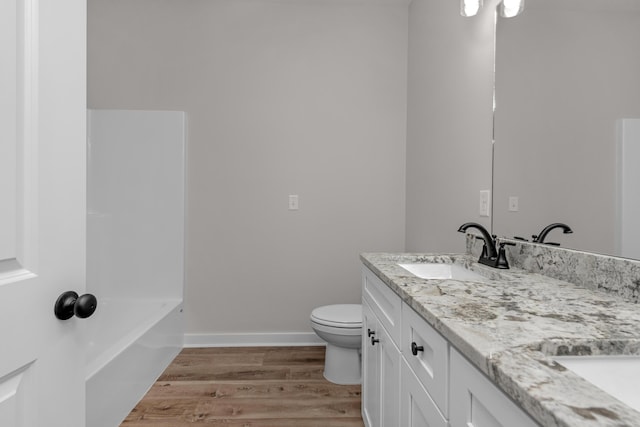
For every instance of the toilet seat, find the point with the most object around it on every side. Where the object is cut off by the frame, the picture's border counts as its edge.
(344, 316)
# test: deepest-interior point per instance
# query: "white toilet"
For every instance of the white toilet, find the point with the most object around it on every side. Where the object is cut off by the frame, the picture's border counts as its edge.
(340, 325)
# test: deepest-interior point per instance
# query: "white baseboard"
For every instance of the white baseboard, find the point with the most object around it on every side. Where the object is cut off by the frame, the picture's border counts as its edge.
(252, 340)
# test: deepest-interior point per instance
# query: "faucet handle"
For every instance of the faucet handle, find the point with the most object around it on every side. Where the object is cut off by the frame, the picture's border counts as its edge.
(502, 262)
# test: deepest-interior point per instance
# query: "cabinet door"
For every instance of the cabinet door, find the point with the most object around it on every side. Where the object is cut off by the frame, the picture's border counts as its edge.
(381, 373)
(417, 409)
(477, 402)
(430, 362)
(370, 369)
(389, 380)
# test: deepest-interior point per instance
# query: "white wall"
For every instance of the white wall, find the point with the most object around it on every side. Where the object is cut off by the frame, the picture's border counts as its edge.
(449, 122)
(282, 97)
(135, 232)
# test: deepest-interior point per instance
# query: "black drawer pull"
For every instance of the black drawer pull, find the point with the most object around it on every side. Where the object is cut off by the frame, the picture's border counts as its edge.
(415, 348)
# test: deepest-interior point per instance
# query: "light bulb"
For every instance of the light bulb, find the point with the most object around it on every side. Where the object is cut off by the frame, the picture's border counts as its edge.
(470, 7)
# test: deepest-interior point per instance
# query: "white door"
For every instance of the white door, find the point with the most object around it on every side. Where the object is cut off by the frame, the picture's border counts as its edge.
(42, 210)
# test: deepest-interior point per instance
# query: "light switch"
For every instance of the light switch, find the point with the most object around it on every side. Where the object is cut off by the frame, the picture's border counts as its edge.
(485, 202)
(293, 202)
(513, 204)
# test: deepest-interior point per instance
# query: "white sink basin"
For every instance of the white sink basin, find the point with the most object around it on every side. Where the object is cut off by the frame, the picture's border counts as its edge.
(617, 375)
(441, 271)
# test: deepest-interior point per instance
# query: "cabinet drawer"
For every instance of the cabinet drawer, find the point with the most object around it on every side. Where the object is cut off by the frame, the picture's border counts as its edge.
(478, 402)
(417, 409)
(431, 359)
(385, 303)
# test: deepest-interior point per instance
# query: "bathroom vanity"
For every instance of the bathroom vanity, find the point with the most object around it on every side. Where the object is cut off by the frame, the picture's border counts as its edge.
(481, 350)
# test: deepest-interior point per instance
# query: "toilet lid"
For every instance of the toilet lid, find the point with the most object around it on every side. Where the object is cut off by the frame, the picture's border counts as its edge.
(338, 315)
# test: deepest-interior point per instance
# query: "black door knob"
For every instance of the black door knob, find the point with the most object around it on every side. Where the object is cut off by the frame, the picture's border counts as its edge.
(370, 332)
(69, 304)
(374, 340)
(415, 348)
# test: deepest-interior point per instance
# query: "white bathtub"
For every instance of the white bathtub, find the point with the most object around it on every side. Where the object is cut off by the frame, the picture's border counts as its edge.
(135, 256)
(122, 363)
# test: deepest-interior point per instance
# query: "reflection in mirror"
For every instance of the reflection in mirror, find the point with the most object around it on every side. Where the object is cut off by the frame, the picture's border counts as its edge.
(567, 92)
(510, 8)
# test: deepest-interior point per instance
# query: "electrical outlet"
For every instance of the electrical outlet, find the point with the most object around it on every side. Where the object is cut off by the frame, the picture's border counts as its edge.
(485, 202)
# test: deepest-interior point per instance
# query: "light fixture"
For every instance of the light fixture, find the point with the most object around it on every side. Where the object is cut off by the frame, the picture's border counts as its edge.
(470, 7)
(511, 8)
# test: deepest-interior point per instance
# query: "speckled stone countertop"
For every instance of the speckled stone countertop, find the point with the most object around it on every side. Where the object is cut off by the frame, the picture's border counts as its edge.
(511, 324)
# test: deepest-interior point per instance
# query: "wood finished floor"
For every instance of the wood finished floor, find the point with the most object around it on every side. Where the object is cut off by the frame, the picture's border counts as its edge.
(248, 387)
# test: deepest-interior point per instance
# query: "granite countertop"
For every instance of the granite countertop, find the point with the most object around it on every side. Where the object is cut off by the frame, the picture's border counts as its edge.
(511, 325)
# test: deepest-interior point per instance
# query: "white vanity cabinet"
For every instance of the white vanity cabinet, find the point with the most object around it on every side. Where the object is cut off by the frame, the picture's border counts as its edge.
(413, 377)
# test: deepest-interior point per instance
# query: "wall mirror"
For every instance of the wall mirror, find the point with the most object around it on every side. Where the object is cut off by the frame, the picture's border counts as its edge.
(567, 97)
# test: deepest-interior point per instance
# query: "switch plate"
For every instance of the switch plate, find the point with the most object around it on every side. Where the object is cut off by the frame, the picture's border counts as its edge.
(513, 204)
(293, 202)
(485, 202)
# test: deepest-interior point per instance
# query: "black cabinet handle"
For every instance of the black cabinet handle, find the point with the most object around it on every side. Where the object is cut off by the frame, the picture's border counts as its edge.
(374, 341)
(370, 332)
(415, 348)
(69, 304)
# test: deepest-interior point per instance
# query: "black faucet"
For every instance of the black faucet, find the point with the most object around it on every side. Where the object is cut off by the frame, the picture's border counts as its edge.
(543, 234)
(490, 255)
